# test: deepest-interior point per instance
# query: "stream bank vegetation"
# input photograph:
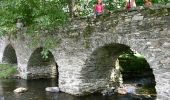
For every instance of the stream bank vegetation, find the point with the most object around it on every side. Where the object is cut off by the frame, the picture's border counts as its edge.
(7, 70)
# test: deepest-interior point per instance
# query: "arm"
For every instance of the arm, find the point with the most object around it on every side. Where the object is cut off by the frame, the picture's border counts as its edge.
(150, 3)
(103, 8)
(94, 9)
(125, 4)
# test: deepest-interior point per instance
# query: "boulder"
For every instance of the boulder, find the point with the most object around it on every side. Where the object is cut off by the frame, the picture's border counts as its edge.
(130, 89)
(121, 90)
(20, 90)
(109, 91)
(52, 89)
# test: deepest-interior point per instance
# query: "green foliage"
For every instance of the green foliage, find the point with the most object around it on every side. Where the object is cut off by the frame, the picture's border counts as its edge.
(86, 8)
(135, 65)
(133, 62)
(45, 53)
(35, 14)
(7, 70)
(47, 41)
(147, 89)
(1, 32)
(114, 5)
(140, 2)
(40, 17)
(160, 1)
(39, 13)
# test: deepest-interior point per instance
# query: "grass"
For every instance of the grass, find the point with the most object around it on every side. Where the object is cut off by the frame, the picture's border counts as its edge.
(147, 89)
(7, 70)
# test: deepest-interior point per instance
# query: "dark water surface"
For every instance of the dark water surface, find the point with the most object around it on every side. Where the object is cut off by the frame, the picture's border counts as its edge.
(36, 91)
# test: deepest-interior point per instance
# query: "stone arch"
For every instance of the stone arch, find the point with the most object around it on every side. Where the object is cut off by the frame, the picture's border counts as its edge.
(9, 55)
(101, 65)
(38, 67)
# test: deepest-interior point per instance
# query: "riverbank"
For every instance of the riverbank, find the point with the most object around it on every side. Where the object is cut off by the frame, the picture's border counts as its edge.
(7, 70)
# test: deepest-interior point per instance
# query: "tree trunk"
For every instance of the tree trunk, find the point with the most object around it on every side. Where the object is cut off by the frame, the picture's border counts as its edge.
(71, 7)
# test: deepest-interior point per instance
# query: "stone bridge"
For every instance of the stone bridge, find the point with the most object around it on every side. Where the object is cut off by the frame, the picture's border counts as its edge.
(85, 58)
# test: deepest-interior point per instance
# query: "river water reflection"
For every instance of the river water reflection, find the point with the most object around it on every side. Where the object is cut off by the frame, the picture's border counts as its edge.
(36, 91)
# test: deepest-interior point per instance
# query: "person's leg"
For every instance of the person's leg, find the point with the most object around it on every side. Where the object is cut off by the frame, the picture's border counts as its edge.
(133, 9)
(97, 13)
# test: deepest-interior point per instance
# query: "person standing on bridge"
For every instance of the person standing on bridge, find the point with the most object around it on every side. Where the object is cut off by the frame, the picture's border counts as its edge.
(148, 3)
(98, 8)
(130, 5)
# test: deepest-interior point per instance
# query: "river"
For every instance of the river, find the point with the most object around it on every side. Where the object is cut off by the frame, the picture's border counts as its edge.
(36, 91)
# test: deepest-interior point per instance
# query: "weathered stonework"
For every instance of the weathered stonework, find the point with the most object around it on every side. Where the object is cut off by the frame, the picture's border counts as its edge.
(9, 55)
(88, 52)
(38, 67)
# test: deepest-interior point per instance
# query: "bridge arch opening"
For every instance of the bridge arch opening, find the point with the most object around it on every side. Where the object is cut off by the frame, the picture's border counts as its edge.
(41, 68)
(104, 69)
(9, 55)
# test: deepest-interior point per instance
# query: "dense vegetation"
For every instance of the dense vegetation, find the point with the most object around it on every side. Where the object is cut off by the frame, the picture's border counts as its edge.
(135, 68)
(41, 17)
(131, 62)
(147, 89)
(7, 70)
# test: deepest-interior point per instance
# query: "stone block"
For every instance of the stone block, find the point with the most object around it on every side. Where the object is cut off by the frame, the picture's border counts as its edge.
(137, 18)
(166, 45)
(52, 89)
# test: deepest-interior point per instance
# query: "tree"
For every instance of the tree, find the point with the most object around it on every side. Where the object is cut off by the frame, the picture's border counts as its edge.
(71, 4)
(36, 16)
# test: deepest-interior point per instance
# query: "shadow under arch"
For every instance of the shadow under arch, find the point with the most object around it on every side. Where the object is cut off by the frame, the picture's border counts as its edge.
(102, 60)
(9, 55)
(100, 69)
(38, 67)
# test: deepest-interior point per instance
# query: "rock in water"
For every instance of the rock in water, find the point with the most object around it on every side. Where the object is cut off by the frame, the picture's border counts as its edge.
(130, 89)
(52, 89)
(121, 90)
(20, 90)
(109, 91)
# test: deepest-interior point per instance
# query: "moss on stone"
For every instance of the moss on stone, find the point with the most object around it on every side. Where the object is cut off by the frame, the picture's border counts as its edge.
(87, 31)
(72, 33)
(86, 34)
(168, 9)
(86, 43)
(147, 89)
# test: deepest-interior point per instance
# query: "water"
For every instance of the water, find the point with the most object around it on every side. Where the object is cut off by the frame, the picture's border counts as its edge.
(36, 91)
